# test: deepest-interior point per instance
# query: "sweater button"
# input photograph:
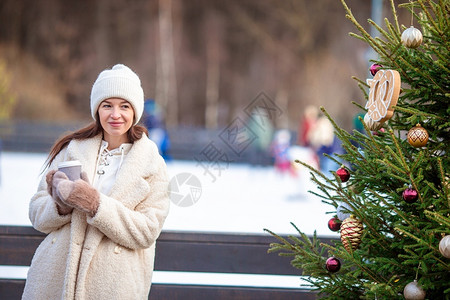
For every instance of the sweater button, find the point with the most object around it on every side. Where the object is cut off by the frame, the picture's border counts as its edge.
(117, 250)
(54, 240)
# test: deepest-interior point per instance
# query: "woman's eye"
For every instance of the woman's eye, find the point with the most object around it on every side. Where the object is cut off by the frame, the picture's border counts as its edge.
(125, 106)
(106, 105)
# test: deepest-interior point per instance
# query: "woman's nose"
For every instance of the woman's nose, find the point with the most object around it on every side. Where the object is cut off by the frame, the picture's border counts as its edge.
(115, 113)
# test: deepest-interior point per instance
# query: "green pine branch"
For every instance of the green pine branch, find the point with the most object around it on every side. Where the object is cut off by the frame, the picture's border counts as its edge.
(400, 241)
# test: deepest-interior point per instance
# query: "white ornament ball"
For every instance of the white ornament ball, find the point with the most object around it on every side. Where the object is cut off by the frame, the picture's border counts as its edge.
(413, 291)
(343, 211)
(444, 246)
(412, 37)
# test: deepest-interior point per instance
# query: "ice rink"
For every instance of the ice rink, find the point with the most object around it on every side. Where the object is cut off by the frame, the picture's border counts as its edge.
(240, 198)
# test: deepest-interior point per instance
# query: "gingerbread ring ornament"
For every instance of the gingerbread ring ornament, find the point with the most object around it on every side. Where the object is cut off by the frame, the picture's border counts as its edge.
(383, 95)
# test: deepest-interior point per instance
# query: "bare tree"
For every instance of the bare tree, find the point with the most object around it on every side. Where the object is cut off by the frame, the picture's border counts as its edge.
(214, 34)
(168, 81)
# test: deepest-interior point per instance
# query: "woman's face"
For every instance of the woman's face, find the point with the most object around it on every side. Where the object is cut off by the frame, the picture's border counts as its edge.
(116, 117)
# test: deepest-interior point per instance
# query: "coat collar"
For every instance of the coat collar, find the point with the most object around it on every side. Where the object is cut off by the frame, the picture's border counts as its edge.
(141, 161)
(86, 151)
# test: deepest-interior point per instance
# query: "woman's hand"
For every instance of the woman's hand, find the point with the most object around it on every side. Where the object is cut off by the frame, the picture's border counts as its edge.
(53, 178)
(79, 194)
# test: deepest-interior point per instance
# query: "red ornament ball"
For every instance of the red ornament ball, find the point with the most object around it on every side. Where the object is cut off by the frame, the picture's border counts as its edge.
(333, 264)
(410, 195)
(374, 69)
(379, 132)
(343, 174)
(334, 224)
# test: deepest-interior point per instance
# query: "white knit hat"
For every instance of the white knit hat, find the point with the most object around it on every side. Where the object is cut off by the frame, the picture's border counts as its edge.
(119, 82)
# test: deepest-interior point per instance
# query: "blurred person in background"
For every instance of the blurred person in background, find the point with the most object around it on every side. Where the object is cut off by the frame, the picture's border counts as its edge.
(261, 128)
(157, 132)
(280, 147)
(101, 229)
(324, 141)
(307, 124)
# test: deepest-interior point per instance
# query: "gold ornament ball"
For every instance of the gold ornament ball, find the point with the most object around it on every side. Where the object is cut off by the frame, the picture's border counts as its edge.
(413, 291)
(444, 246)
(417, 136)
(412, 37)
(351, 231)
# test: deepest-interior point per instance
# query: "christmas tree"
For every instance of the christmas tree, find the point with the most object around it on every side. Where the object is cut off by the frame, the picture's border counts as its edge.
(392, 192)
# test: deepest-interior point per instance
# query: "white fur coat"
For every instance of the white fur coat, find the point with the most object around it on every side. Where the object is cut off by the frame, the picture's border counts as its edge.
(108, 256)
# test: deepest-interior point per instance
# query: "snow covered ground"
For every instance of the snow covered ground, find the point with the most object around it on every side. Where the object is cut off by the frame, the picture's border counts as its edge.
(241, 198)
(238, 199)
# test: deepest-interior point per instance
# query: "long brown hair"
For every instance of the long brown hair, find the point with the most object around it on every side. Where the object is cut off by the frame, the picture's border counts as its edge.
(91, 130)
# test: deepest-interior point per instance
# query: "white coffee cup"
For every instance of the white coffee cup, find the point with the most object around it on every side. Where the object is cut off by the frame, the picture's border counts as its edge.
(71, 168)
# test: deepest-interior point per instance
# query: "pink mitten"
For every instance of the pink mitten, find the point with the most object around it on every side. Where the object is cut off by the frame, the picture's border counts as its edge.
(53, 178)
(49, 179)
(84, 176)
(79, 194)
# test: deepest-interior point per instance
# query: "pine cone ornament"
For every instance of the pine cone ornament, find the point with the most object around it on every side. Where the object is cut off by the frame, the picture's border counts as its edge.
(351, 231)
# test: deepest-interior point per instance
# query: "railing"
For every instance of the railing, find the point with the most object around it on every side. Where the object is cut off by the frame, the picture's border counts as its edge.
(181, 253)
(186, 143)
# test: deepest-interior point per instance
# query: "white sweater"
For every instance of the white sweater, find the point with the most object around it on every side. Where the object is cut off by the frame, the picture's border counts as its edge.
(108, 164)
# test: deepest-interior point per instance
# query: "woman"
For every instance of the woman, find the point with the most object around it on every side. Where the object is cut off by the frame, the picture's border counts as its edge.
(101, 236)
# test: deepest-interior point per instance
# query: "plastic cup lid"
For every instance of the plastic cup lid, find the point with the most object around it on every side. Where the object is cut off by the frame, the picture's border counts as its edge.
(70, 163)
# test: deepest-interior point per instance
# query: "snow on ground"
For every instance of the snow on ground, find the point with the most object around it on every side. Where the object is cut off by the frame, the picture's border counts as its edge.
(240, 199)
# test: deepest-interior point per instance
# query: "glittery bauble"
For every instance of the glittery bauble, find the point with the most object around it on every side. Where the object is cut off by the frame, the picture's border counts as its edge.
(343, 174)
(412, 37)
(333, 264)
(351, 231)
(343, 211)
(413, 291)
(374, 69)
(444, 246)
(334, 224)
(410, 195)
(417, 136)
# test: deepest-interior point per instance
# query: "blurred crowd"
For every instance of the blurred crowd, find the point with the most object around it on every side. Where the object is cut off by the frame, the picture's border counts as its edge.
(315, 139)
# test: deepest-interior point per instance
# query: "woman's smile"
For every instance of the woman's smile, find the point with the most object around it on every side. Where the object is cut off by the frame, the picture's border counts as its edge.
(116, 124)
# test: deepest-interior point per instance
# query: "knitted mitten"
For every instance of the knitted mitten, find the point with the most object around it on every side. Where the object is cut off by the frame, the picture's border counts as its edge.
(53, 180)
(79, 194)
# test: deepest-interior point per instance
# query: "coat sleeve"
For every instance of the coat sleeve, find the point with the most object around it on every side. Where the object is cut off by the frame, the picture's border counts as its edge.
(43, 212)
(136, 228)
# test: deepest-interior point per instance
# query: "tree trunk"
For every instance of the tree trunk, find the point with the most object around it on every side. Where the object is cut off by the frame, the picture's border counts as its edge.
(169, 101)
(213, 46)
